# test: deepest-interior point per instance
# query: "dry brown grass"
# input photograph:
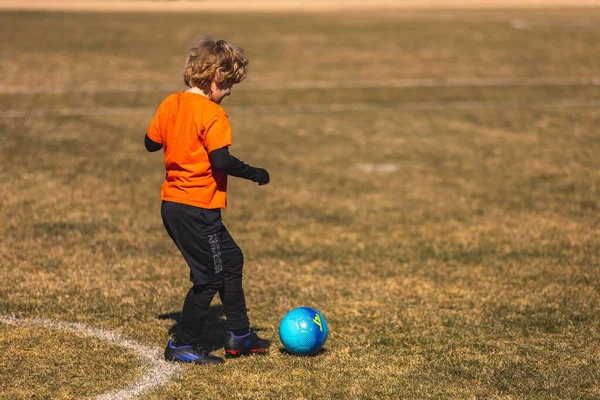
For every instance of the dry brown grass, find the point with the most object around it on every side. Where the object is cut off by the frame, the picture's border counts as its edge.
(470, 271)
(287, 5)
(42, 363)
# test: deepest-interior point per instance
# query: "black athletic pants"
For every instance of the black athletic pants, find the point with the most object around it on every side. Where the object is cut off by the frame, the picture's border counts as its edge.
(216, 263)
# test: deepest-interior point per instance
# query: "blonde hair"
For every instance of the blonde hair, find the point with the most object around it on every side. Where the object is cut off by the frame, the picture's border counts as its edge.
(210, 59)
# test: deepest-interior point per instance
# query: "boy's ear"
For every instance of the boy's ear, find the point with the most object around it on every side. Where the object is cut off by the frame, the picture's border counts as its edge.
(214, 83)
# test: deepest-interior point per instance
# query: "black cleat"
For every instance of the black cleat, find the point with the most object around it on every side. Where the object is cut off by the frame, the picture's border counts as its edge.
(190, 353)
(247, 344)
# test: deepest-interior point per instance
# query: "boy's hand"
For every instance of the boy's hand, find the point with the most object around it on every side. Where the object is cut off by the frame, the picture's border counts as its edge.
(262, 176)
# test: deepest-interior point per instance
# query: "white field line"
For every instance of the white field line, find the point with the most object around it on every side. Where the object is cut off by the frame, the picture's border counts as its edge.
(429, 82)
(367, 167)
(159, 370)
(317, 108)
(322, 84)
(528, 25)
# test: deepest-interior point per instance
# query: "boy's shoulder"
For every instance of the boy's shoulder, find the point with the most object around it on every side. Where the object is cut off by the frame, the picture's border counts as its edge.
(170, 99)
(206, 103)
(204, 110)
(194, 100)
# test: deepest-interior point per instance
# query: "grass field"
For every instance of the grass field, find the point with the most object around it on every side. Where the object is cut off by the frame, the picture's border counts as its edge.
(435, 193)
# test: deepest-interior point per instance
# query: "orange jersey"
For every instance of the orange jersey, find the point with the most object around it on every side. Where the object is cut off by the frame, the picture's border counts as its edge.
(190, 126)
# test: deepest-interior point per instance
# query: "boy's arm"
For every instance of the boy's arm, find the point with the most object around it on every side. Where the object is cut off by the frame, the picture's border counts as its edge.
(224, 161)
(151, 145)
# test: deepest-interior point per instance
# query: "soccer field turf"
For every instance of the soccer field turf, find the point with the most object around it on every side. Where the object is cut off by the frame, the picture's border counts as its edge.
(435, 186)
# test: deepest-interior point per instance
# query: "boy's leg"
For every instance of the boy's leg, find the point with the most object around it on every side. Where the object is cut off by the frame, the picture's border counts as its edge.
(232, 291)
(185, 347)
(194, 230)
(240, 340)
(193, 316)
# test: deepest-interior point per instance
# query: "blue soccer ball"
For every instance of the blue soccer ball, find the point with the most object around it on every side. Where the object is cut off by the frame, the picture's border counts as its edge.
(303, 331)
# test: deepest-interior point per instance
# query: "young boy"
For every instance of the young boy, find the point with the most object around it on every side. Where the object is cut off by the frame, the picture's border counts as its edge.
(194, 132)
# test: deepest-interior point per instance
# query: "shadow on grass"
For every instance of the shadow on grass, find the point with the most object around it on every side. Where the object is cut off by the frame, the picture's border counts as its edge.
(215, 327)
(284, 351)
